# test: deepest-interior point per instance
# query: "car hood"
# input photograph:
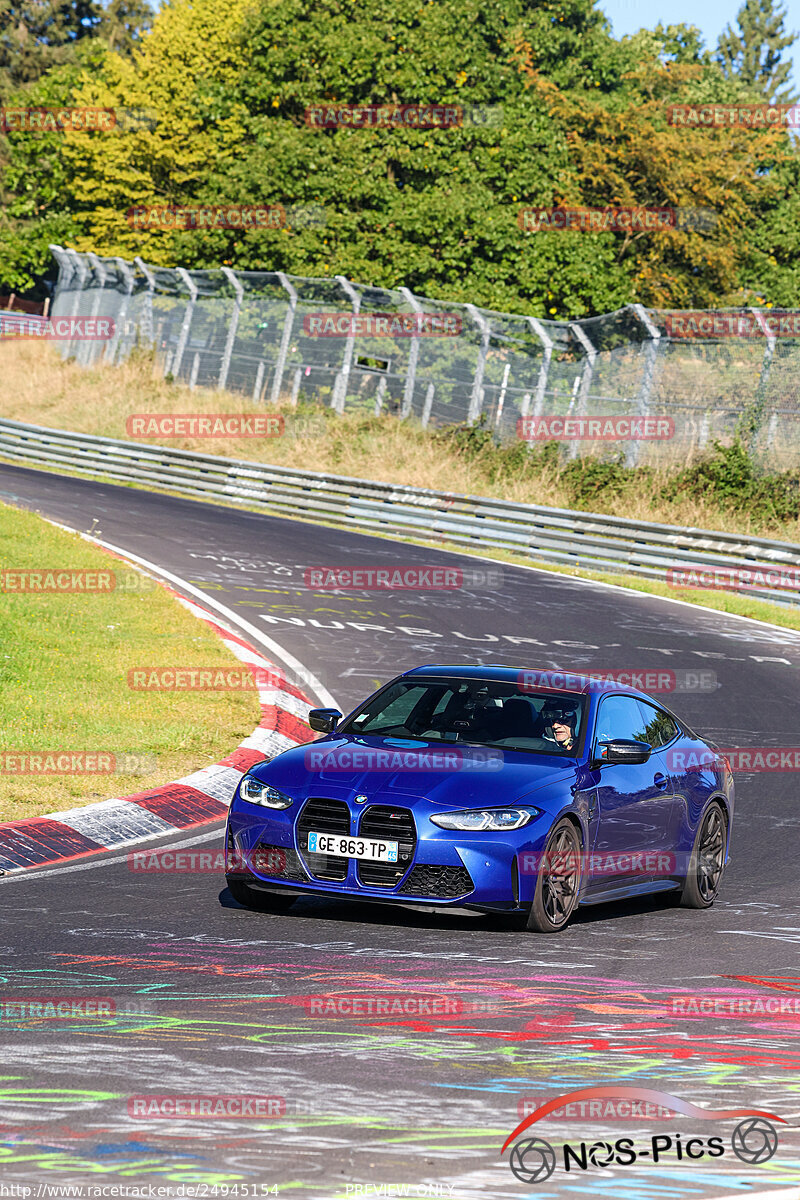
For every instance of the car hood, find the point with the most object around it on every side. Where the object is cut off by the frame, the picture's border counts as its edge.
(471, 781)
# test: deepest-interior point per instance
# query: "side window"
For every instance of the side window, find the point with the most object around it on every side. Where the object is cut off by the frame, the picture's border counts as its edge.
(659, 727)
(619, 717)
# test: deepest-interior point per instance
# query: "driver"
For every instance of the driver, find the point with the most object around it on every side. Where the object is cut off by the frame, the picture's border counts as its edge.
(561, 724)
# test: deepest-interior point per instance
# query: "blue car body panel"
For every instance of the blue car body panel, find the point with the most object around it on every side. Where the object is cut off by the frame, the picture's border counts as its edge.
(619, 809)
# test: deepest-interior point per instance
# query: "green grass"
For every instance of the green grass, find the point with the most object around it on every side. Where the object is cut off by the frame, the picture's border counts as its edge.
(64, 662)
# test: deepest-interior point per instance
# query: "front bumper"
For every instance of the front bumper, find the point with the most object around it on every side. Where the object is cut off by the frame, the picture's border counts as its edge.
(445, 868)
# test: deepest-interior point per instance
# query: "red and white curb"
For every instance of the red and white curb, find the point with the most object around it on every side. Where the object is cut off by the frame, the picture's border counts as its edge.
(197, 799)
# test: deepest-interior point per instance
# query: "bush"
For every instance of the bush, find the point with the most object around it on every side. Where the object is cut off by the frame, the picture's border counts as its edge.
(727, 477)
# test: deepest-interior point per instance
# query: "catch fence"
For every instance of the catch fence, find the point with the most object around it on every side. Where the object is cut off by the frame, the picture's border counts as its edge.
(254, 332)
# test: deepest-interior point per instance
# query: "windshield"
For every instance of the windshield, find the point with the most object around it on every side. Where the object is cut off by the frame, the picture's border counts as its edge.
(476, 712)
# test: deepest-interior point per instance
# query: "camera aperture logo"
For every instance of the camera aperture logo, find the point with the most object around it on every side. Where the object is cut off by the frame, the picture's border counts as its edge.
(534, 1160)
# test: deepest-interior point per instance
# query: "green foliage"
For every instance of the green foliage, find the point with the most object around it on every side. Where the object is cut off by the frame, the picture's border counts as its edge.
(497, 460)
(124, 22)
(36, 35)
(753, 52)
(579, 119)
(592, 481)
(727, 476)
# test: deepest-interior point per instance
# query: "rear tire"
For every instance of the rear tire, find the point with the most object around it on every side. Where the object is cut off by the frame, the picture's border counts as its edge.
(556, 895)
(248, 897)
(707, 861)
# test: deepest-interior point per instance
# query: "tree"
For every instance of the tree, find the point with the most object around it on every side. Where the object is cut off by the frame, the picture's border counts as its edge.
(124, 22)
(753, 52)
(36, 35)
(582, 122)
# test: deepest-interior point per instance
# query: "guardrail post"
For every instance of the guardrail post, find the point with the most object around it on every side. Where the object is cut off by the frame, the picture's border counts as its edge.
(413, 356)
(379, 394)
(122, 315)
(233, 325)
(752, 418)
(342, 379)
(286, 337)
(65, 271)
(648, 375)
(99, 269)
(146, 324)
(259, 383)
(502, 399)
(586, 379)
(296, 386)
(428, 405)
(79, 266)
(544, 369)
(183, 337)
(476, 399)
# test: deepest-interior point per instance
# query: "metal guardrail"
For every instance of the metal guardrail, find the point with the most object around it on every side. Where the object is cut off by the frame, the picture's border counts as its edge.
(590, 541)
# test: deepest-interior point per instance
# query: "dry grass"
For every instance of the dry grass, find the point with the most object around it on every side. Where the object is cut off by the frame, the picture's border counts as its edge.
(64, 681)
(40, 388)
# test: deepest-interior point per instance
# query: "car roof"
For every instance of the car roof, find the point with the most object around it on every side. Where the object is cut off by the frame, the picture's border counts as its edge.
(544, 678)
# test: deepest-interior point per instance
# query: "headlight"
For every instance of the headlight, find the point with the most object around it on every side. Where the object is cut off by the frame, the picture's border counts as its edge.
(487, 818)
(256, 792)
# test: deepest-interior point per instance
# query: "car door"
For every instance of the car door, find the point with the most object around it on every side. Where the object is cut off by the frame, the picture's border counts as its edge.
(633, 801)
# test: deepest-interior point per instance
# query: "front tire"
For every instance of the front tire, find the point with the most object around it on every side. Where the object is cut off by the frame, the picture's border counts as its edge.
(556, 895)
(707, 862)
(248, 897)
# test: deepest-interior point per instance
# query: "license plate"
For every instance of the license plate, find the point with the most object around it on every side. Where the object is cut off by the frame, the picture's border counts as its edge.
(350, 847)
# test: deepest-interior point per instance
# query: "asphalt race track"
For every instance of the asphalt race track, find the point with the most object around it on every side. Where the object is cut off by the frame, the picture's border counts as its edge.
(213, 999)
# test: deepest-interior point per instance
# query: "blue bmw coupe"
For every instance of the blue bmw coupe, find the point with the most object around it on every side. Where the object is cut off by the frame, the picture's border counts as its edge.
(488, 787)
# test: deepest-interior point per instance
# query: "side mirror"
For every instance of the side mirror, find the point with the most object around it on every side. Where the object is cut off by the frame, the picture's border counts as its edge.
(621, 751)
(324, 720)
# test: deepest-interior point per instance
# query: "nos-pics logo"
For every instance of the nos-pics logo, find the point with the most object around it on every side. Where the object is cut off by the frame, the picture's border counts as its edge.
(533, 1160)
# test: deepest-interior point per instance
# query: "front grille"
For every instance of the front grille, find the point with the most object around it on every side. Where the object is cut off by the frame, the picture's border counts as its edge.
(323, 816)
(438, 883)
(382, 821)
(279, 862)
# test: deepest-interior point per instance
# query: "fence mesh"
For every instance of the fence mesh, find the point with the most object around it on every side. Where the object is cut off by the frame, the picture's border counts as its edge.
(254, 332)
